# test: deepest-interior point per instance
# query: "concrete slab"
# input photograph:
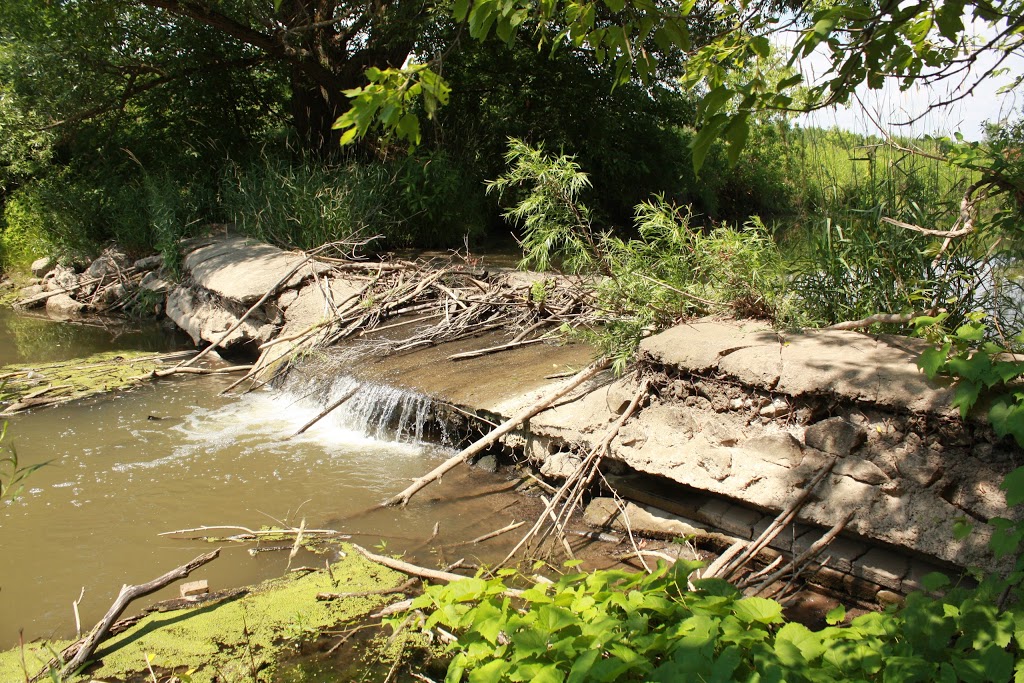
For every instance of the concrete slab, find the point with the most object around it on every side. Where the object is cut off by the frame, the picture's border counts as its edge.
(243, 270)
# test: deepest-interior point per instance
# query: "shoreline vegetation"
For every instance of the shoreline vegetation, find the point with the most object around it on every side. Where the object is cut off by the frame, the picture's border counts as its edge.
(646, 152)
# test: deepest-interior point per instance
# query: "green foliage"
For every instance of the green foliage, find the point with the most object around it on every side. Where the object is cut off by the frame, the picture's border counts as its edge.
(12, 476)
(982, 368)
(424, 200)
(611, 625)
(554, 220)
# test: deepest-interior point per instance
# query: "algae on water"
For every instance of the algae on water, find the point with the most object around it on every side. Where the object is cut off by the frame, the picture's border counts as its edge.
(239, 639)
(26, 385)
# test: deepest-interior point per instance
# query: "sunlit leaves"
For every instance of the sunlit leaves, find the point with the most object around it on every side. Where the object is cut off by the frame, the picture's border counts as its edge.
(390, 100)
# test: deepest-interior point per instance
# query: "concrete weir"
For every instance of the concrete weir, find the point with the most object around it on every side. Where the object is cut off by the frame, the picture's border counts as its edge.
(742, 416)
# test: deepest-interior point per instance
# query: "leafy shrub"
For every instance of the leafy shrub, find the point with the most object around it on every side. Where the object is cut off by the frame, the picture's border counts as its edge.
(422, 201)
(611, 625)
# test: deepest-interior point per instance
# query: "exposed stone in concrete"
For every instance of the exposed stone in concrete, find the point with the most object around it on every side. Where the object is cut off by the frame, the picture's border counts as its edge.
(781, 448)
(924, 469)
(42, 266)
(644, 521)
(835, 435)
(243, 270)
(886, 598)
(882, 566)
(861, 470)
(62, 306)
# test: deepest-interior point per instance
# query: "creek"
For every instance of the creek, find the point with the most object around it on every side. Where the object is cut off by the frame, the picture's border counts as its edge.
(175, 454)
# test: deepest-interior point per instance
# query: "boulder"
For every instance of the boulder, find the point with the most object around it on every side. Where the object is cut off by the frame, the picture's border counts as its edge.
(62, 306)
(205, 318)
(42, 266)
(61, 278)
(148, 263)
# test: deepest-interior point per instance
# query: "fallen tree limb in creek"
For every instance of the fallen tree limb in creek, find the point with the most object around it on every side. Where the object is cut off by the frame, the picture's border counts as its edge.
(326, 411)
(422, 572)
(76, 655)
(570, 493)
(512, 423)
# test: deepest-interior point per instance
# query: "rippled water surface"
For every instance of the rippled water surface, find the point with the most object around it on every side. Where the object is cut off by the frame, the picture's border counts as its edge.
(175, 455)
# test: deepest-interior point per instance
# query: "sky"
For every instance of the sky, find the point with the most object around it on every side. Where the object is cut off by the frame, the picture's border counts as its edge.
(891, 107)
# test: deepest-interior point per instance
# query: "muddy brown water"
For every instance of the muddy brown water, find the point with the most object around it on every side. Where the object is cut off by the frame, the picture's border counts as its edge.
(174, 455)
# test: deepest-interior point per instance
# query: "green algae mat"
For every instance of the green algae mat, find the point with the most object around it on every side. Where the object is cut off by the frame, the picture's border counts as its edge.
(239, 639)
(28, 385)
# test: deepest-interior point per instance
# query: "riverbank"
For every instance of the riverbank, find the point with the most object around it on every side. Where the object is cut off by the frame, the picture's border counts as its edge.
(732, 420)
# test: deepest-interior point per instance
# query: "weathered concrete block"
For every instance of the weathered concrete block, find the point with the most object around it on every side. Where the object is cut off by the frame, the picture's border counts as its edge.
(884, 567)
(194, 588)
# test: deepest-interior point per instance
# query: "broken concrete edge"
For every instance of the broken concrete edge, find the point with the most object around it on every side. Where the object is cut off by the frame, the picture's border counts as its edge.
(906, 490)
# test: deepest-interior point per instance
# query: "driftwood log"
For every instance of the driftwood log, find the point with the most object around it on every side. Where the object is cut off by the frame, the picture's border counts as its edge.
(77, 654)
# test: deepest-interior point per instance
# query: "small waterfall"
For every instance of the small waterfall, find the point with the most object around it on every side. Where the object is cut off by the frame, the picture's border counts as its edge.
(375, 410)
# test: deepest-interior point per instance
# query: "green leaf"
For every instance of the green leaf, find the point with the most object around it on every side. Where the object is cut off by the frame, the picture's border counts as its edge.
(760, 610)
(702, 141)
(493, 670)
(965, 396)
(934, 581)
(932, 359)
(736, 134)
(836, 615)
(962, 528)
(1007, 419)
(460, 8)
(1013, 484)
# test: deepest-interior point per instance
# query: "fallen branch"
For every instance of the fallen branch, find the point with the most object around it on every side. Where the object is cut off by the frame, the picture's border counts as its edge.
(797, 563)
(326, 411)
(422, 572)
(479, 445)
(83, 650)
(777, 525)
(494, 349)
(877, 318)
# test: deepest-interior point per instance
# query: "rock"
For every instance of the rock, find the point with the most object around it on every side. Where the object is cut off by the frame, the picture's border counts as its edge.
(34, 290)
(154, 283)
(777, 408)
(193, 588)
(487, 463)
(619, 396)
(835, 435)
(921, 468)
(560, 465)
(885, 598)
(62, 306)
(101, 267)
(148, 263)
(62, 278)
(206, 319)
(42, 266)
(861, 470)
